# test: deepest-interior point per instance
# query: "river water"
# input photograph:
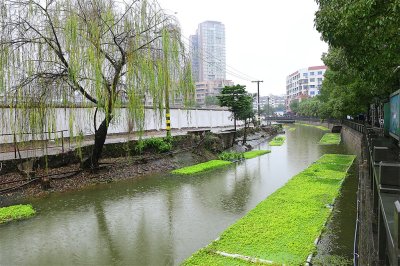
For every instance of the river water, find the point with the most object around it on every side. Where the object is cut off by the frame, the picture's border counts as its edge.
(160, 219)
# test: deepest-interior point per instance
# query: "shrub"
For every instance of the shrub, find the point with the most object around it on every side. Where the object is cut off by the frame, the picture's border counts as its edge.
(158, 144)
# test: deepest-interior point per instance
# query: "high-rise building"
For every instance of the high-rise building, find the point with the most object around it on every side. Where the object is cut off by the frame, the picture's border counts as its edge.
(304, 83)
(207, 50)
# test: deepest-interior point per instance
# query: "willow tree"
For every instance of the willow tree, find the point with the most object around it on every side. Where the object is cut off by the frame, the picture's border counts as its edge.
(111, 53)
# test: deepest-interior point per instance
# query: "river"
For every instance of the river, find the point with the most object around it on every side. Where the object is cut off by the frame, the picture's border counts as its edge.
(162, 219)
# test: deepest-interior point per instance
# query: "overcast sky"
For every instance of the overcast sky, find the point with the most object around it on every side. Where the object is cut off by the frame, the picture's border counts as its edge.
(266, 40)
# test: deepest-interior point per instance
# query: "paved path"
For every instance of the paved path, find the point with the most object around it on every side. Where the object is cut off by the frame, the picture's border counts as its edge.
(115, 138)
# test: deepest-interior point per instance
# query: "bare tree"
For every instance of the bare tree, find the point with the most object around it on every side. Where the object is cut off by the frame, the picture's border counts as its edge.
(111, 53)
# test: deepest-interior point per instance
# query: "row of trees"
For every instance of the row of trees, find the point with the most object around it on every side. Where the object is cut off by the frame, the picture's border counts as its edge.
(363, 59)
(111, 53)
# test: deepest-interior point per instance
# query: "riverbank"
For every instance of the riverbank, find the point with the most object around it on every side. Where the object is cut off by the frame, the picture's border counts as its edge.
(119, 165)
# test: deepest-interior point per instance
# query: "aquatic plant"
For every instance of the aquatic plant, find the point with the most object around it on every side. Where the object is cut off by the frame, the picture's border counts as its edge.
(330, 138)
(201, 167)
(16, 212)
(309, 125)
(282, 228)
(231, 156)
(255, 153)
(292, 129)
(277, 141)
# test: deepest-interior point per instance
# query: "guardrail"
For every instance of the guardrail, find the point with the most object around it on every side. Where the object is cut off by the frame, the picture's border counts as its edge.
(38, 141)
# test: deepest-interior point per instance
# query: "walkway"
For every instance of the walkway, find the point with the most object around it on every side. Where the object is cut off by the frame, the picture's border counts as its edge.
(115, 138)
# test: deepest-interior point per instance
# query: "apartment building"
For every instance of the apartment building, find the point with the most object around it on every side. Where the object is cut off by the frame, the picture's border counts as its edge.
(304, 83)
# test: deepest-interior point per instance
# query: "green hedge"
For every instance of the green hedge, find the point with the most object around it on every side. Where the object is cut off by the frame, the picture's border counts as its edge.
(277, 141)
(283, 227)
(330, 138)
(201, 167)
(16, 212)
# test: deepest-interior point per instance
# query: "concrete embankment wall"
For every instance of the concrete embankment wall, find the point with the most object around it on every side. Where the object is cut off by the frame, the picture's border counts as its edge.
(80, 121)
(352, 139)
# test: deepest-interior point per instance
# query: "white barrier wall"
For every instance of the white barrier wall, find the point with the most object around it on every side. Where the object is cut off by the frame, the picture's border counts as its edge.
(80, 120)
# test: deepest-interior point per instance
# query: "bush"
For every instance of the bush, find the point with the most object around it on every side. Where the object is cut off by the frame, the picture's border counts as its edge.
(157, 144)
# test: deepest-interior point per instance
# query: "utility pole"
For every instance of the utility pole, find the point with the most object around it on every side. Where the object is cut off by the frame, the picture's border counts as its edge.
(258, 99)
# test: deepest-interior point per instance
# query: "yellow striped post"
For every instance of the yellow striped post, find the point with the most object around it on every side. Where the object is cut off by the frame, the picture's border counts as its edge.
(168, 122)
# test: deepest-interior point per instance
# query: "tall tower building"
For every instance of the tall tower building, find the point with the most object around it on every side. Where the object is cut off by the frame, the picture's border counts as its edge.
(208, 52)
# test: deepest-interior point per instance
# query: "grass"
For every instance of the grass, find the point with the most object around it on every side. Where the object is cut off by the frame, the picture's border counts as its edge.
(277, 141)
(283, 227)
(16, 212)
(308, 125)
(255, 153)
(330, 138)
(201, 167)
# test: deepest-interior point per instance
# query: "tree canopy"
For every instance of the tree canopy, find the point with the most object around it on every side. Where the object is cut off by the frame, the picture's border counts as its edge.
(239, 102)
(367, 32)
(111, 53)
(364, 56)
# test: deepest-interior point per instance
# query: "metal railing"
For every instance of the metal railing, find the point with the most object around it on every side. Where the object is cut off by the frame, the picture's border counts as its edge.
(35, 141)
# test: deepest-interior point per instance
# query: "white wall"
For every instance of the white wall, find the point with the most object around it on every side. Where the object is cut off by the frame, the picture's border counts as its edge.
(81, 120)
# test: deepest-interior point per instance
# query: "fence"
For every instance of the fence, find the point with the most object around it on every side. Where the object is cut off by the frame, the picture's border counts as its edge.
(33, 142)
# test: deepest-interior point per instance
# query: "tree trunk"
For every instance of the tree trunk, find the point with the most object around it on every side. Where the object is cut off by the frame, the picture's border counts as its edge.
(99, 140)
(244, 132)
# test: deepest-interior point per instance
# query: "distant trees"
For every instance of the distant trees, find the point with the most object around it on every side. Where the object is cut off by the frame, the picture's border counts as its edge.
(111, 53)
(363, 58)
(211, 101)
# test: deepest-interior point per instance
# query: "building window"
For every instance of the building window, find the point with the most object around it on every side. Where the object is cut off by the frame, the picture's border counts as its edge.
(305, 75)
(312, 80)
(312, 86)
(312, 92)
(319, 72)
(311, 73)
(319, 79)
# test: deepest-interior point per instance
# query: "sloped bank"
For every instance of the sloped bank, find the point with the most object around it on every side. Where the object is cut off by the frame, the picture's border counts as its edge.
(121, 161)
(282, 229)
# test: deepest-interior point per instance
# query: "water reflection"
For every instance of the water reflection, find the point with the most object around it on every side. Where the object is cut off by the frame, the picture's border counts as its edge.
(158, 220)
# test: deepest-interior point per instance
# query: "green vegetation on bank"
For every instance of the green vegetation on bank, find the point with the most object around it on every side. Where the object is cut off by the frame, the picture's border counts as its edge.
(330, 138)
(157, 144)
(282, 229)
(309, 125)
(277, 141)
(255, 153)
(201, 167)
(16, 212)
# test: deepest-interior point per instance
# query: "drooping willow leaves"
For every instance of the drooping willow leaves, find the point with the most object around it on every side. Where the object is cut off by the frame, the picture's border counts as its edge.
(101, 54)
